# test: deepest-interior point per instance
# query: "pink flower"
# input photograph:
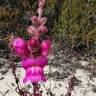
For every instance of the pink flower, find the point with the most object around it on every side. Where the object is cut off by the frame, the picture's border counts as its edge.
(33, 53)
(20, 47)
(34, 69)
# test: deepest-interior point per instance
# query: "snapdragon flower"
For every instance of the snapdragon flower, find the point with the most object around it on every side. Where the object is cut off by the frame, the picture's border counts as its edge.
(20, 47)
(34, 52)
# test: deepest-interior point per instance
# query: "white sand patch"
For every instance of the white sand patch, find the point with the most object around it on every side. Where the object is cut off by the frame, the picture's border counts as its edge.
(58, 88)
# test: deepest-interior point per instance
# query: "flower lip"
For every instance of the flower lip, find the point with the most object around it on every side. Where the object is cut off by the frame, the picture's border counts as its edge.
(34, 74)
(34, 78)
(30, 62)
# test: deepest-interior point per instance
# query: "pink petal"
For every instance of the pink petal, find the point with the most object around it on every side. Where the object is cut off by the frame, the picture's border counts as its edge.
(18, 42)
(28, 62)
(20, 47)
(39, 61)
(33, 78)
(34, 75)
(45, 53)
(42, 61)
(34, 70)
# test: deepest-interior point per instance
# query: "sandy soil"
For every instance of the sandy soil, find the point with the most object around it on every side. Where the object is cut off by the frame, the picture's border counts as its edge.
(84, 87)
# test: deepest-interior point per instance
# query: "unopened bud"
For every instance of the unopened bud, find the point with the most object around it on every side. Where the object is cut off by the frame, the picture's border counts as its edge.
(40, 11)
(31, 29)
(42, 29)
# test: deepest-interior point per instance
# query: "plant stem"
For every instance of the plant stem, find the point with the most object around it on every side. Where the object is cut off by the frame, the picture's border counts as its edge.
(36, 91)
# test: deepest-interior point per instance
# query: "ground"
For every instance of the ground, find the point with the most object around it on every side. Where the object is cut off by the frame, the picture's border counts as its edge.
(58, 71)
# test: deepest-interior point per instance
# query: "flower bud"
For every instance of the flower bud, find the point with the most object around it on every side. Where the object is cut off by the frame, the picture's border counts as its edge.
(34, 19)
(21, 48)
(46, 44)
(41, 3)
(43, 21)
(33, 42)
(40, 11)
(42, 29)
(31, 29)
